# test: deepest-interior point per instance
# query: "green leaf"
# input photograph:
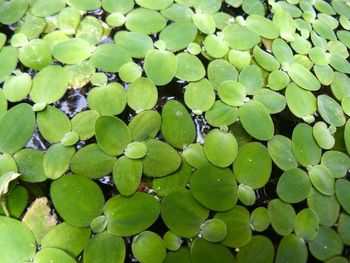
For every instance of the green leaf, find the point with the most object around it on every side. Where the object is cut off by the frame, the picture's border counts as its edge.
(49, 85)
(220, 70)
(145, 125)
(145, 21)
(302, 77)
(5, 181)
(186, 61)
(256, 120)
(221, 114)
(260, 219)
(43, 8)
(218, 191)
(177, 125)
(216, 47)
(136, 150)
(304, 146)
(127, 175)
(323, 135)
(12, 11)
(109, 57)
(327, 244)
(128, 216)
(72, 51)
(251, 77)
(291, 249)
(136, 44)
(172, 241)
(77, 199)
(293, 186)
(253, 165)
(68, 238)
(182, 214)
(199, 96)
(337, 162)
(108, 100)
(220, 156)
(92, 162)
(56, 160)
(161, 159)
(16, 128)
(36, 54)
(148, 247)
(16, 88)
(17, 241)
(306, 224)
(86, 5)
(105, 247)
(16, 202)
(330, 110)
(232, 93)
(265, 60)
(142, 94)
(280, 150)
(259, 249)
(273, 101)
(205, 251)
(53, 124)
(204, 22)
(343, 227)
(326, 207)
(178, 35)
(83, 123)
(112, 134)
(282, 217)
(160, 66)
(54, 255)
(239, 37)
(237, 221)
(342, 193)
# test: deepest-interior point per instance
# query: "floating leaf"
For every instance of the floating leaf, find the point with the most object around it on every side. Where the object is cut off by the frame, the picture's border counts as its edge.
(215, 46)
(136, 44)
(43, 8)
(326, 244)
(109, 57)
(39, 219)
(129, 72)
(256, 120)
(68, 20)
(145, 125)
(343, 227)
(145, 21)
(10, 55)
(160, 66)
(323, 135)
(186, 61)
(177, 180)
(83, 123)
(49, 85)
(221, 114)
(342, 193)
(293, 186)
(239, 37)
(17, 241)
(202, 250)
(194, 154)
(280, 150)
(16, 128)
(172, 241)
(105, 247)
(68, 238)
(239, 59)
(77, 199)
(149, 247)
(265, 60)
(128, 216)
(282, 217)
(161, 159)
(246, 195)
(306, 224)
(86, 5)
(90, 29)
(142, 94)
(36, 54)
(232, 93)
(259, 249)
(251, 77)
(330, 110)
(92, 162)
(108, 100)
(175, 41)
(337, 162)
(220, 70)
(16, 202)
(238, 230)
(204, 22)
(273, 101)
(112, 134)
(72, 51)
(292, 249)
(253, 165)
(304, 146)
(302, 77)
(302, 103)
(16, 88)
(260, 219)
(182, 214)
(12, 11)
(53, 124)
(127, 175)
(136, 150)
(177, 125)
(53, 255)
(30, 165)
(218, 191)
(199, 96)
(225, 155)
